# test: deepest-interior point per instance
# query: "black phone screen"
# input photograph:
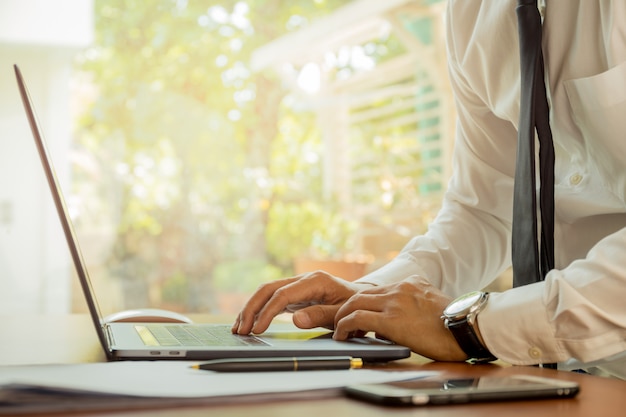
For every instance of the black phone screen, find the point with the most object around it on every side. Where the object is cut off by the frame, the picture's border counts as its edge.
(463, 390)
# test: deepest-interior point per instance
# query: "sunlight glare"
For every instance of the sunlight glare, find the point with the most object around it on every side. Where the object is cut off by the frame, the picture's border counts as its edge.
(310, 78)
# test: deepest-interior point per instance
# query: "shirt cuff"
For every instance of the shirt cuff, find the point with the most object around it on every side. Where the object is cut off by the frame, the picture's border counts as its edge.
(516, 328)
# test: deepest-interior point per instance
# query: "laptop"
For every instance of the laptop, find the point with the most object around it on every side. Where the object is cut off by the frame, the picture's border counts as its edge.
(192, 341)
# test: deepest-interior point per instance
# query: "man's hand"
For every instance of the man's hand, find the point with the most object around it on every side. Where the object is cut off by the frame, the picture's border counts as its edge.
(314, 298)
(407, 313)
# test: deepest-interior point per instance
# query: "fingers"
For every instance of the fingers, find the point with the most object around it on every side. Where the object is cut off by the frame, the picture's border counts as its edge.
(316, 316)
(379, 309)
(245, 320)
(279, 301)
(358, 323)
(360, 314)
(303, 293)
(370, 299)
(311, 289)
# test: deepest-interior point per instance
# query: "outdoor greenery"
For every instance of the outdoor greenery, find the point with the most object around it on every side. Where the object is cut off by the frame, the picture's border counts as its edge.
(209, 177)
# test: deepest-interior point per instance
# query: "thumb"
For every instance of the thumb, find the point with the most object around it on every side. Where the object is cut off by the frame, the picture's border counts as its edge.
(316, 316)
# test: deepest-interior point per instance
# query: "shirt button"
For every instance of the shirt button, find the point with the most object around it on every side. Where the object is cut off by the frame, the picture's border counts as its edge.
(575, 179)
(535, 352)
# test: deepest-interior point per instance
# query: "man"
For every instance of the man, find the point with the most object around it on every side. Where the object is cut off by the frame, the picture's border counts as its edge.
(577, 315)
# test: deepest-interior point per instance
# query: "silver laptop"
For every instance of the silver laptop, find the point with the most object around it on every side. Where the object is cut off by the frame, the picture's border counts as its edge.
(193, 341)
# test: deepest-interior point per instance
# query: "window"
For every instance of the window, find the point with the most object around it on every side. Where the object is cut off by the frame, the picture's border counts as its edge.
(219, 145)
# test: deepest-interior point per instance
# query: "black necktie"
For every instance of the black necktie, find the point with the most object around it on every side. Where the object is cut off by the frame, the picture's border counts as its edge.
(528, 265)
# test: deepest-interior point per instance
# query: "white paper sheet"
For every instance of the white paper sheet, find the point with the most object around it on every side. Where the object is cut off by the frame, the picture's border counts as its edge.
(178, 380)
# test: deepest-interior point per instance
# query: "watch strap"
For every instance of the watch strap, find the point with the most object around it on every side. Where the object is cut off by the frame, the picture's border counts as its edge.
(467, 339)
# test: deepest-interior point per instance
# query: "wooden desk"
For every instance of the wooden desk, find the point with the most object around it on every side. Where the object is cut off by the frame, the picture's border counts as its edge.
(71, 339)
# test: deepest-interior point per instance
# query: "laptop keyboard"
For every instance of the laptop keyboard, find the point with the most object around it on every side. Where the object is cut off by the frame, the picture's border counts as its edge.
(193, 335)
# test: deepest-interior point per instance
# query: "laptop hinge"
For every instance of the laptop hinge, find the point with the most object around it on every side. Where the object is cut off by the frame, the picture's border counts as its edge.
(109, 335)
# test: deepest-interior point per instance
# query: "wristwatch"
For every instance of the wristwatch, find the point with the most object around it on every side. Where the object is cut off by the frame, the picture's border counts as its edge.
(460, 318)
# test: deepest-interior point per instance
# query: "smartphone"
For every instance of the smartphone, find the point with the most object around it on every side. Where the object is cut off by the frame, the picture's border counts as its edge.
(457, 391)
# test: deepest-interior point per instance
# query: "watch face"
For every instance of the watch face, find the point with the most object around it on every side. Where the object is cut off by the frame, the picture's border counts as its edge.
(462, 305)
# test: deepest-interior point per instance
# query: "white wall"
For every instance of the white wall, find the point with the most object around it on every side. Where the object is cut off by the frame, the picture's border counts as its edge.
(42, 37)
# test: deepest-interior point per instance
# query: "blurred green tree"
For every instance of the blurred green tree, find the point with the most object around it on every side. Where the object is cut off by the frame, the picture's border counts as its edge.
(184, 137)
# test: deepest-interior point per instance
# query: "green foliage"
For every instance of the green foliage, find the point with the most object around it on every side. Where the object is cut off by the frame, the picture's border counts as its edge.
(244, 276)
(184, 137)
(307, 228)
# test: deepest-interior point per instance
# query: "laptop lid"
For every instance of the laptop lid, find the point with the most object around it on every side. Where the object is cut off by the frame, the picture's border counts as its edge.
(61, 208)
(125, 341)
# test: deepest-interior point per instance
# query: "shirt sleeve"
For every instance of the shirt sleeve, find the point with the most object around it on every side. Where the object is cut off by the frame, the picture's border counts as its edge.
(577, 312)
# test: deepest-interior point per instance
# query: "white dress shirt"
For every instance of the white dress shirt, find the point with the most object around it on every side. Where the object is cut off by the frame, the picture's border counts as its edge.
(578, 314)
